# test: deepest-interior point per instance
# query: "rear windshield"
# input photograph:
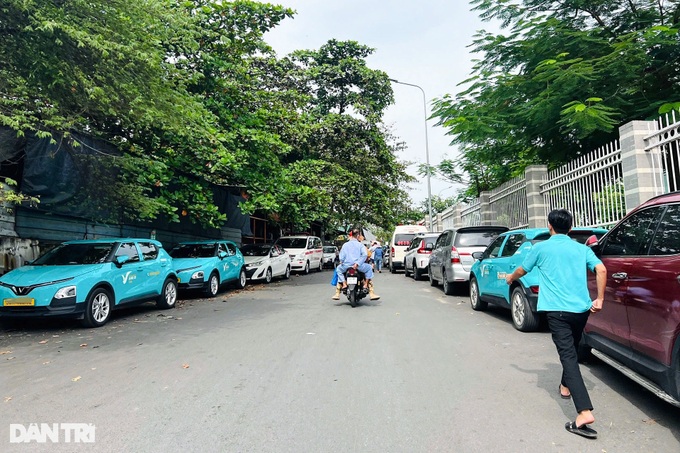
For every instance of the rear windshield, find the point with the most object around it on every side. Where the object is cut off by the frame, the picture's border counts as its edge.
(193, 251)
(475, 238)
(403, 239)
(329, 249)
(93, 253)
(255, 250)
(292, 243)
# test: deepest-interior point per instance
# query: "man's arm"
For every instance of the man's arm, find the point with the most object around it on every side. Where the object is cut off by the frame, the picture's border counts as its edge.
(601, 279)
(516, 275)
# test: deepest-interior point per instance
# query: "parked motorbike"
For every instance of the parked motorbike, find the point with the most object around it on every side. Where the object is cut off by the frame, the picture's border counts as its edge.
(355, 286)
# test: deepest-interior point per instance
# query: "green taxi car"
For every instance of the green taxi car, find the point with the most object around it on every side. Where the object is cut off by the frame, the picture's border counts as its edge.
(207, 265)
(87, 279)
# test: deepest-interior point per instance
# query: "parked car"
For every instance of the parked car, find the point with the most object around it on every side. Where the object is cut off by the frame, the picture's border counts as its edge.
(503, 256)
(88, 279)
(207, 265)
(330, 256)
(638, 328)
(265, 261)
(306, 252)
(417, 256)
(399, 242)
(451, 259)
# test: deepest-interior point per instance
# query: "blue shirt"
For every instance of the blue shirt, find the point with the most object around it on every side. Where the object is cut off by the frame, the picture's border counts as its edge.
(378, 253)
(353, 252)
(561, 263)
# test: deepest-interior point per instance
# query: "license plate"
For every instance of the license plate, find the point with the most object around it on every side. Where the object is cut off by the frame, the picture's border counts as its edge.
(351, 280)
(19, 302)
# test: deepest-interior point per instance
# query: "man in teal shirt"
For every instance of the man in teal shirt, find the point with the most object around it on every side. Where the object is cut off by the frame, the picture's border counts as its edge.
(561, 264)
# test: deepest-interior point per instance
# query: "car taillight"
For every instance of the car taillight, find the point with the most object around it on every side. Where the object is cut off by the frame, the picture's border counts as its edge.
(422, 249)
(392, 248)
(455, 257)
(534, 289)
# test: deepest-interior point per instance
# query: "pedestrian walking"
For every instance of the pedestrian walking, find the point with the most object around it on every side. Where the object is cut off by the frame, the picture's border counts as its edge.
(378, 258)
(561, 264)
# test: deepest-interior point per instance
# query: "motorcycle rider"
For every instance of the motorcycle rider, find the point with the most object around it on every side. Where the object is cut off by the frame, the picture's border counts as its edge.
(353, 254)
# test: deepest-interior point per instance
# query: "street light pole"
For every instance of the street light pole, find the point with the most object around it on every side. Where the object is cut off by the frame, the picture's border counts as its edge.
(427, 151)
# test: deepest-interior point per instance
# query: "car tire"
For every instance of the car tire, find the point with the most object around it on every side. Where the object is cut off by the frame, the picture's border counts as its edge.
(392, 269)
(168, 295)
(433, 282)
(476, 302)
(286, 275)
(417, 273)
(523, 318)
(406, 273)
(213, 285)
(320, 269)
(98, 308)
(242, 279)
(268, 275)
(449, 288)
(306, 270)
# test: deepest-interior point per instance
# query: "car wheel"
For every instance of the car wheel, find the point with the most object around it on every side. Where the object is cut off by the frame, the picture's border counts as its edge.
(448, 286)
(268, 275)
(476, 302)
(433, 282)
(241, 282)
(417, 273)
(392, 269)
(213, 285)
(168, 295)
(97, 308)
(523, 318)
(286, 275)
(306, 271)
(320, 269)
(406, 273)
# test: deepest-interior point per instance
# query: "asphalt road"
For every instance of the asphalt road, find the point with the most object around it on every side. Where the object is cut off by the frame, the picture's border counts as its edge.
(283, 368)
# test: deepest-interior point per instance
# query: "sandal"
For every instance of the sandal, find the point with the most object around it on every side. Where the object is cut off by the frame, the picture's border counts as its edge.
(582, 430)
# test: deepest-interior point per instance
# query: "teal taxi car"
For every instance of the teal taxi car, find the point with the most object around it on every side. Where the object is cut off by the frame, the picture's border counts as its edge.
(87, 279)
(207, 265)
(502, 257)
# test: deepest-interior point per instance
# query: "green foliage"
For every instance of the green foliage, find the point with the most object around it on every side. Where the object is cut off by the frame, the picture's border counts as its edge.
(558, 82)
(9, 197)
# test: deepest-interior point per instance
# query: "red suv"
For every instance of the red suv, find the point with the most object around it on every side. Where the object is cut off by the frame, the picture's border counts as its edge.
(639, 325)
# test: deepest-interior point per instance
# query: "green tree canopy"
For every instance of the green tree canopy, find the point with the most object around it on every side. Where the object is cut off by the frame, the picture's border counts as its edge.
(559, 82)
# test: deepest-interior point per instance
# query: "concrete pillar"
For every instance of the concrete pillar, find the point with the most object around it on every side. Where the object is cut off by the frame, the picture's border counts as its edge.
(536, 205)
(487, 215)
(638, 174)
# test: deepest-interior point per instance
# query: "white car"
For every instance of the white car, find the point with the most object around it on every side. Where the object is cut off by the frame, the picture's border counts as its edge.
(306, 252)
(265, 261)
(330, 256)
(417, 256)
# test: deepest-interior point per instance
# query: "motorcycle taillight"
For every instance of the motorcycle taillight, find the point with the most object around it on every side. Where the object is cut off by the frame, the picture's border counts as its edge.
(351, 271)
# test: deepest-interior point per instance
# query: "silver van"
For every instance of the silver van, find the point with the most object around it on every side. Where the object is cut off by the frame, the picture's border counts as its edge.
(451, 259)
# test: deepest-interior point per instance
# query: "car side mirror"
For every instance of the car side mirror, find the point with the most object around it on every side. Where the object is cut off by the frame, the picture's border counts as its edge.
(122, 259)
(222, 254)
(478, 255)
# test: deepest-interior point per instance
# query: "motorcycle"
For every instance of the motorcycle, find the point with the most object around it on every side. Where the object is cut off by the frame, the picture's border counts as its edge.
(355, 286)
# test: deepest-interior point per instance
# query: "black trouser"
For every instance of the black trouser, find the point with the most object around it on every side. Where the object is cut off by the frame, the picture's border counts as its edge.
(566, 329)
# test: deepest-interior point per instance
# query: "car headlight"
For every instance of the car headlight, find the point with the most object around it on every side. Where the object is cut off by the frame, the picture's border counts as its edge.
(255, 264)
(66, 292)
(197, 275)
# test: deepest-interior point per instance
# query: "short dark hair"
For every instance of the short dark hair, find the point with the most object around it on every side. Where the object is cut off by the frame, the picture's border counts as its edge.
(561, 220)
(356, 231)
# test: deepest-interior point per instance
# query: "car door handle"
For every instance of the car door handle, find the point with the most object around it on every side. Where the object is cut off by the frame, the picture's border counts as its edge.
(619, 276)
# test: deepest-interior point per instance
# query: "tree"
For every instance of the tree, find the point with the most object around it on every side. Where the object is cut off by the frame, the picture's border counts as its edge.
(559, 82)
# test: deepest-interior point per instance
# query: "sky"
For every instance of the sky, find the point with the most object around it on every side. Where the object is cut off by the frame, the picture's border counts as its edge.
(424, 43)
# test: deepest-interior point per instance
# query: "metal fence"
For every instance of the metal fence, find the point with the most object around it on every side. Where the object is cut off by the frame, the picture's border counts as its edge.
(509, 203)
(471, 214)
(663, 145)
(590, 187)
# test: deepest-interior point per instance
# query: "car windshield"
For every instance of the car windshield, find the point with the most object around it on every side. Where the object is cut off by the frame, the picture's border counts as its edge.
(255, 250)
(475, 238)
(582, 236)
(329, 249)
(403, 239)
(88, 253)
(193, 251)
(292, 243)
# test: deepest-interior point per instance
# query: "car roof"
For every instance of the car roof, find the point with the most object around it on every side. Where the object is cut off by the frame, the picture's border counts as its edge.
(479, 228)
(110, 241)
